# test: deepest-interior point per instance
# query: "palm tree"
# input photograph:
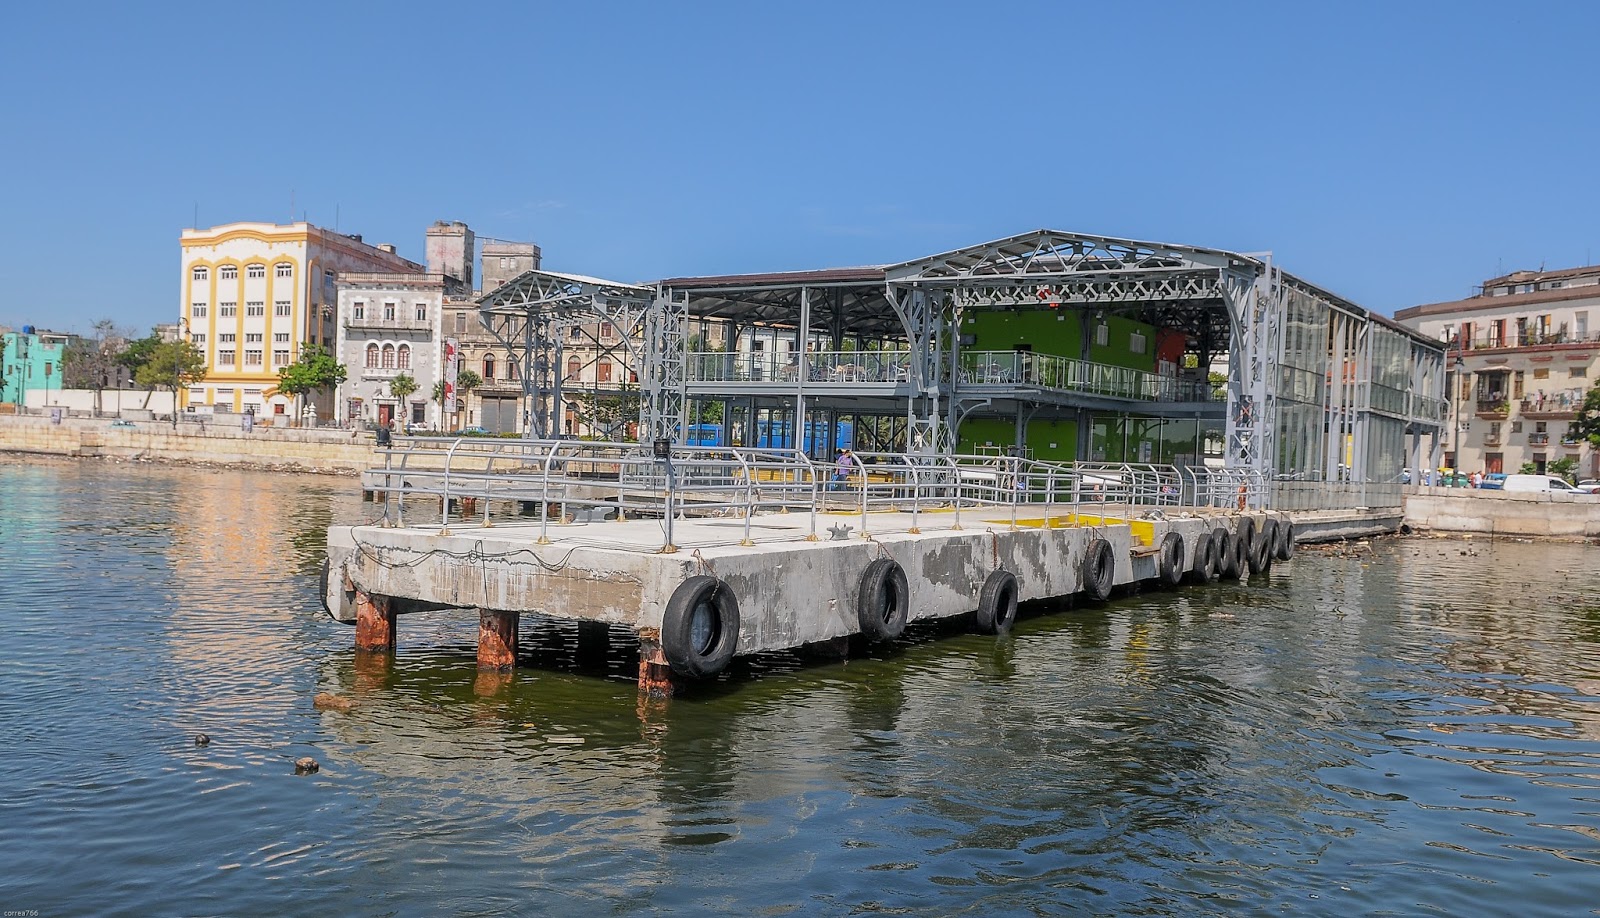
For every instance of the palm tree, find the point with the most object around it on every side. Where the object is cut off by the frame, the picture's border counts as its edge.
(401, 387)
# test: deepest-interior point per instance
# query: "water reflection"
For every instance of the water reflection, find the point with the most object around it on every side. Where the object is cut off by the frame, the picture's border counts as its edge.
(1407, 727)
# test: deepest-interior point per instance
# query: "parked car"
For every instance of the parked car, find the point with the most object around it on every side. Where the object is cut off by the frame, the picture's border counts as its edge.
(1494, 481)
(1590, 485)
(1539, 483)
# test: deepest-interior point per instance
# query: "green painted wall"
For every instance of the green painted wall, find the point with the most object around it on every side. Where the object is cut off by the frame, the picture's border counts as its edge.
(1049, 331)
(1060, 332)
(1052, 440)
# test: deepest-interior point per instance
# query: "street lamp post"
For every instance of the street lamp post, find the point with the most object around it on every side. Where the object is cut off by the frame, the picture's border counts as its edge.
(177, 366)
(1455, 402)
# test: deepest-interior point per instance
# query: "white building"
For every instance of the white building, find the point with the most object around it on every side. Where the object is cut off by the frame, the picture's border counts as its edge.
(390, 326)
(1524, 352)
(253, 294)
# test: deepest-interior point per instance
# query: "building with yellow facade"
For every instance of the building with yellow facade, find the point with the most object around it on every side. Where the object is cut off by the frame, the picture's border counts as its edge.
(253, 294)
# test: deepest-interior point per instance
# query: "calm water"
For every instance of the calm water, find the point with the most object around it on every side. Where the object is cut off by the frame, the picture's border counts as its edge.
(1414, 730)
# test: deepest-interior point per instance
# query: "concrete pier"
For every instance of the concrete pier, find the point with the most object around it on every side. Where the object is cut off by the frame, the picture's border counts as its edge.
(782, 592)
(497, 639)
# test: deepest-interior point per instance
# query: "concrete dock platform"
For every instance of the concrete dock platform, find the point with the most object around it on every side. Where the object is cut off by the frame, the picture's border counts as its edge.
(767, 583)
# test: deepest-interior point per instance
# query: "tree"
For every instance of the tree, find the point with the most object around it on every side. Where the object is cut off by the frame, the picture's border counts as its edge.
(135, 356)
(313, 371)
(171, 365)
(605, 413)
(402, 386)
(1563, 468)
(466, 381)
(95, 362)
(1587, 425)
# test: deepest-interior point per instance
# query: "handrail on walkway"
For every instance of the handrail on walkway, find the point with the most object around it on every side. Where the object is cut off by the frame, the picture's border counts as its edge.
(562, 481)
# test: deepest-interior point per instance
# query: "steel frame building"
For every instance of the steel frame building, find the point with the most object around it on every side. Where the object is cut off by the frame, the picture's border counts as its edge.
(1318, 388)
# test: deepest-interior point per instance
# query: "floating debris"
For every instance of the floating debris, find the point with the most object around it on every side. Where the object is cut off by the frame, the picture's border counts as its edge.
(306, 765)
(328, 701)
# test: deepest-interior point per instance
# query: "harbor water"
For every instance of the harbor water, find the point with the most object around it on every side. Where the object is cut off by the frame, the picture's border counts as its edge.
(1406, 727)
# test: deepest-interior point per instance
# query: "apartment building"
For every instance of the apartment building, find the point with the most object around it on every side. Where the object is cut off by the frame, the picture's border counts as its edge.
(253, 294)
(1523, 353)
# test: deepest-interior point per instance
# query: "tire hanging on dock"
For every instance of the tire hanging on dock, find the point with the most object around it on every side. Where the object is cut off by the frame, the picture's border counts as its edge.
(997, 602)
(1238, 556)
(1169, 562)
(1222, 560)
(883, 602)
(1204, 561)
(1285, 547)
(1265, 547)
(700, 629)
(322, 584)
(1099, 569)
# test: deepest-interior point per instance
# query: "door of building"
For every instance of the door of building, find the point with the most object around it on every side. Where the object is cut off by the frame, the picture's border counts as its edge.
(499, 415)
(385, 415)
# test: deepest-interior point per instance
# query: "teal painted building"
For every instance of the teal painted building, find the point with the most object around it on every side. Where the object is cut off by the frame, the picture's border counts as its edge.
(28, 362)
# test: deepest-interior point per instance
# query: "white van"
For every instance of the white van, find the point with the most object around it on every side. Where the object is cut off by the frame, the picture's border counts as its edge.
(1538, 483)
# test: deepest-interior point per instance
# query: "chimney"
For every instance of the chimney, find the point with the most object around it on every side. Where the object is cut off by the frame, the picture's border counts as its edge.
(386, 247)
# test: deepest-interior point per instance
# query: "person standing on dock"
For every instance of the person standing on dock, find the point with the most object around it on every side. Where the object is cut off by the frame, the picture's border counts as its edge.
(842, 470)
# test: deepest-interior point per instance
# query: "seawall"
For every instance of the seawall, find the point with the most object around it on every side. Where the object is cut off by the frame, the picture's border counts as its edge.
(1538, 514)
(310, 450)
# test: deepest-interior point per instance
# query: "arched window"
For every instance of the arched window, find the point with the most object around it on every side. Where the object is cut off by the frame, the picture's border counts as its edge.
(228, 272)
(388, 356)
(255, 271)
(200, 274)
(488, 367)
(403, 358)
(573, 365)
(285, 269)
(372, 355)
(513, 371)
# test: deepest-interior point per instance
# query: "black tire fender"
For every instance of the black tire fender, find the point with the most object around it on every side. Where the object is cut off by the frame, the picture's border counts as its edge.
(1238, 556)
(1170, 560)
(1246, 528)
(1221, 545)
(997, 602)
(1203, 560)
(322, 585)
(1099, 569)
(1269, 536)
(884, 601)
(1262, 551)
(1285, 547)
(700, 629)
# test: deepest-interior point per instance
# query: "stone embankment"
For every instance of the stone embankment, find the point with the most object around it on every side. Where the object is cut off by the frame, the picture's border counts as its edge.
(1538, 514)
(302, 450)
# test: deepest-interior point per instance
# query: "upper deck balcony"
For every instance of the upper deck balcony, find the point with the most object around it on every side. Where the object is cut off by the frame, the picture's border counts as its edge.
(1527, 338)
(1014, 369)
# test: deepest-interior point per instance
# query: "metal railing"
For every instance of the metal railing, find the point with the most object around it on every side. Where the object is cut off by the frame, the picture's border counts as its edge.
(559, 482)
(814, 367)
(1050, 371)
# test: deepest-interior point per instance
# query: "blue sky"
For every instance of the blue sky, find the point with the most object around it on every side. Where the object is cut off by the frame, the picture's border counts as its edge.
(1395, 153)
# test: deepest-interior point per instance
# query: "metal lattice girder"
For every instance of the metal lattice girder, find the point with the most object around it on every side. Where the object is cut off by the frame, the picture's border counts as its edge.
(666, 338)
(533, 315)
(1054, 254)
(1177, 286)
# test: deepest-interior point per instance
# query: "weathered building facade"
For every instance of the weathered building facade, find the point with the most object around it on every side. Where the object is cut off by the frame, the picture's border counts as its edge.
(1522, 354)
